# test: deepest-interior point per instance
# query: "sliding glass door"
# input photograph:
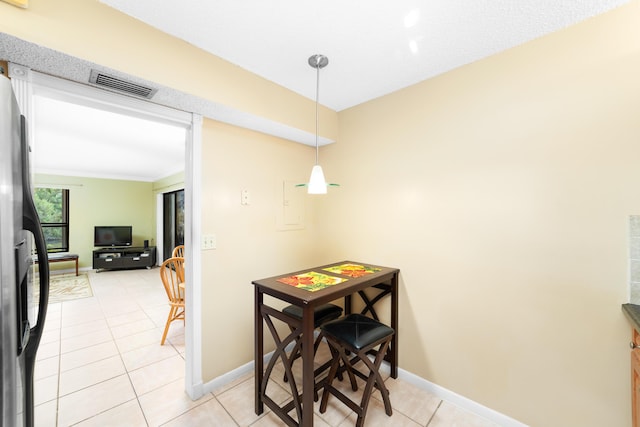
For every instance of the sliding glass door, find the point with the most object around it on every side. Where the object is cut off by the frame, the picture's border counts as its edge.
(173, 222)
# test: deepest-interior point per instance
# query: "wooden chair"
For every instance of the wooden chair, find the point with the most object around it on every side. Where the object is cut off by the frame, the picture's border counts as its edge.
(178, 251)
(172, 275)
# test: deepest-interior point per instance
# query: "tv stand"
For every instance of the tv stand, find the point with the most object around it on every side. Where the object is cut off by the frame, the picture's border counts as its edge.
(124, 258)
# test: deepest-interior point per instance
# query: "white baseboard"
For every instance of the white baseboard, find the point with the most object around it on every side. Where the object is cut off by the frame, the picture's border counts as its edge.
(441, 392)
(231, 376)
(195, 391)
(458, 400)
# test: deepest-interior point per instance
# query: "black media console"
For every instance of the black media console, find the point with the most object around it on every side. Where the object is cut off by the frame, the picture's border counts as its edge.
(124, 258)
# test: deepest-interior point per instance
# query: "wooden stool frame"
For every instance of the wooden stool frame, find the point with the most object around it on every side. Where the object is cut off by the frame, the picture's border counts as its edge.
(340, 350)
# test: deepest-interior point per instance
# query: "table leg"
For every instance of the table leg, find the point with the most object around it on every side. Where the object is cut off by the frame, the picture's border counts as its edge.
(347, 304)
(308, 377)
(394, 325)
(259, 350)
(76, 266)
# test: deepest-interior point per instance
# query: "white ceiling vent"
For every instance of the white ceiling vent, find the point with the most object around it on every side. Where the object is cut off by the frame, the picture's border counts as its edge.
(106, 81)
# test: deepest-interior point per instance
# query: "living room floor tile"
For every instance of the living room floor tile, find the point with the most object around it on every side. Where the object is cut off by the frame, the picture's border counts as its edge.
(210, 413)
(129, 412)
(158, 374)
(90, 401)
(168, 402)
(84, 356)
(84, 328)
(141, 339)
(123, 319)
(146, 355)
(132, 328)
(45, 414)
(90, 374)
(86, 340)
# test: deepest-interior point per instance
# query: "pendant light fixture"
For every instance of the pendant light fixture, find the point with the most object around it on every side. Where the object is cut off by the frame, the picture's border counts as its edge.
(317, 183)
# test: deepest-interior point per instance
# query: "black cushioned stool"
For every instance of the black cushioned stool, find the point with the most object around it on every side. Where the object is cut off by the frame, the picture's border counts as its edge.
(357, 334)
(323, 313)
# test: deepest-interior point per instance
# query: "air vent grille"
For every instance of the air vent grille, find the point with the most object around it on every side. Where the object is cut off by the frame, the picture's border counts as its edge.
(117, 84)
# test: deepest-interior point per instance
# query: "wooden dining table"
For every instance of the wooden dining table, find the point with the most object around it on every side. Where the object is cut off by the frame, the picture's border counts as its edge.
(308, 289)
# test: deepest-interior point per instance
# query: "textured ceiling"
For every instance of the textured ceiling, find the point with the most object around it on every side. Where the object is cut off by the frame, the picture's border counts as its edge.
(374, 46)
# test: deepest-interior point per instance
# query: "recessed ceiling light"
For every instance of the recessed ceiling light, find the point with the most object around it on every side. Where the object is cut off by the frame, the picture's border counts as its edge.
(412, 18)
(413, 45)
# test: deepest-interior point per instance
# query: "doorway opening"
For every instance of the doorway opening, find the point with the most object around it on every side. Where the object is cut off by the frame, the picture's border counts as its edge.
(33, 84)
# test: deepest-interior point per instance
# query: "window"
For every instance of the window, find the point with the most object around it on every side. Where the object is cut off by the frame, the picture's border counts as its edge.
(52, 205)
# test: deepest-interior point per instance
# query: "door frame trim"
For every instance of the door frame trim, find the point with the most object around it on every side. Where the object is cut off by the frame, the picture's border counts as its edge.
(35, 83)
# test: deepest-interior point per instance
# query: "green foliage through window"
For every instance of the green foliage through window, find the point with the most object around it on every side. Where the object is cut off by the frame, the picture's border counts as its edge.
(52, 205)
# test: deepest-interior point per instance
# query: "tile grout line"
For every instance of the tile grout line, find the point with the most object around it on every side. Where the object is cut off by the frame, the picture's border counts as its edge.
(225, 410)
(433, 415)
(59, 364)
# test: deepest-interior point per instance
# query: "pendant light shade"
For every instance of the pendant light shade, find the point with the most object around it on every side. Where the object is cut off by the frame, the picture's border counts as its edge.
(317, 183)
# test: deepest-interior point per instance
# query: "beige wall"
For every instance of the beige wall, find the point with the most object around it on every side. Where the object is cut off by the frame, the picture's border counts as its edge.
(94, 201)
(249, 244)
(502, 191)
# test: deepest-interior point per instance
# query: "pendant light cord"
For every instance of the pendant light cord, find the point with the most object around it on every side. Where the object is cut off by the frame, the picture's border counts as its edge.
(317, 96)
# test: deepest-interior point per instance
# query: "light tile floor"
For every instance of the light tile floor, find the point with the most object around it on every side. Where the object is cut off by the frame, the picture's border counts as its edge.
(100, 363)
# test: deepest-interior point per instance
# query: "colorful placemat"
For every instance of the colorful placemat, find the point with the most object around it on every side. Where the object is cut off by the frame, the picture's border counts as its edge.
(312, 281)
(352, 270)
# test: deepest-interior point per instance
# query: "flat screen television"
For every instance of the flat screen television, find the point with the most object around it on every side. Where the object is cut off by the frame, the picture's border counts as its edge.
(113, 236)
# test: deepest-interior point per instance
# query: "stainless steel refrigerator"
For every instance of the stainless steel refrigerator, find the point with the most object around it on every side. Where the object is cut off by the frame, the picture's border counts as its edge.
(22, 318)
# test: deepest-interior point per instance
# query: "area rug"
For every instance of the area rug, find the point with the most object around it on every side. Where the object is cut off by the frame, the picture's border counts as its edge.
(66, 287)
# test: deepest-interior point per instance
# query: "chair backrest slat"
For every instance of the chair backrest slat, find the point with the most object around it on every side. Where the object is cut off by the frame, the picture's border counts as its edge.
(178, 251)
(172, 274)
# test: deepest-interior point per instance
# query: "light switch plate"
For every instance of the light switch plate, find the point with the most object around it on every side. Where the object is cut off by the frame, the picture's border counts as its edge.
(208, 242)
(244, 197)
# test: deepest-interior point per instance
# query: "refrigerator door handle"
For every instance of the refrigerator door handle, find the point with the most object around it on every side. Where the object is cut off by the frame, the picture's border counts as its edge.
(31, 223)
(24, 327)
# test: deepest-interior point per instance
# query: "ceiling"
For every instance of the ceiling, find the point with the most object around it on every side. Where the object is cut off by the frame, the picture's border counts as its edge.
(79, 140)
(374, 48)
